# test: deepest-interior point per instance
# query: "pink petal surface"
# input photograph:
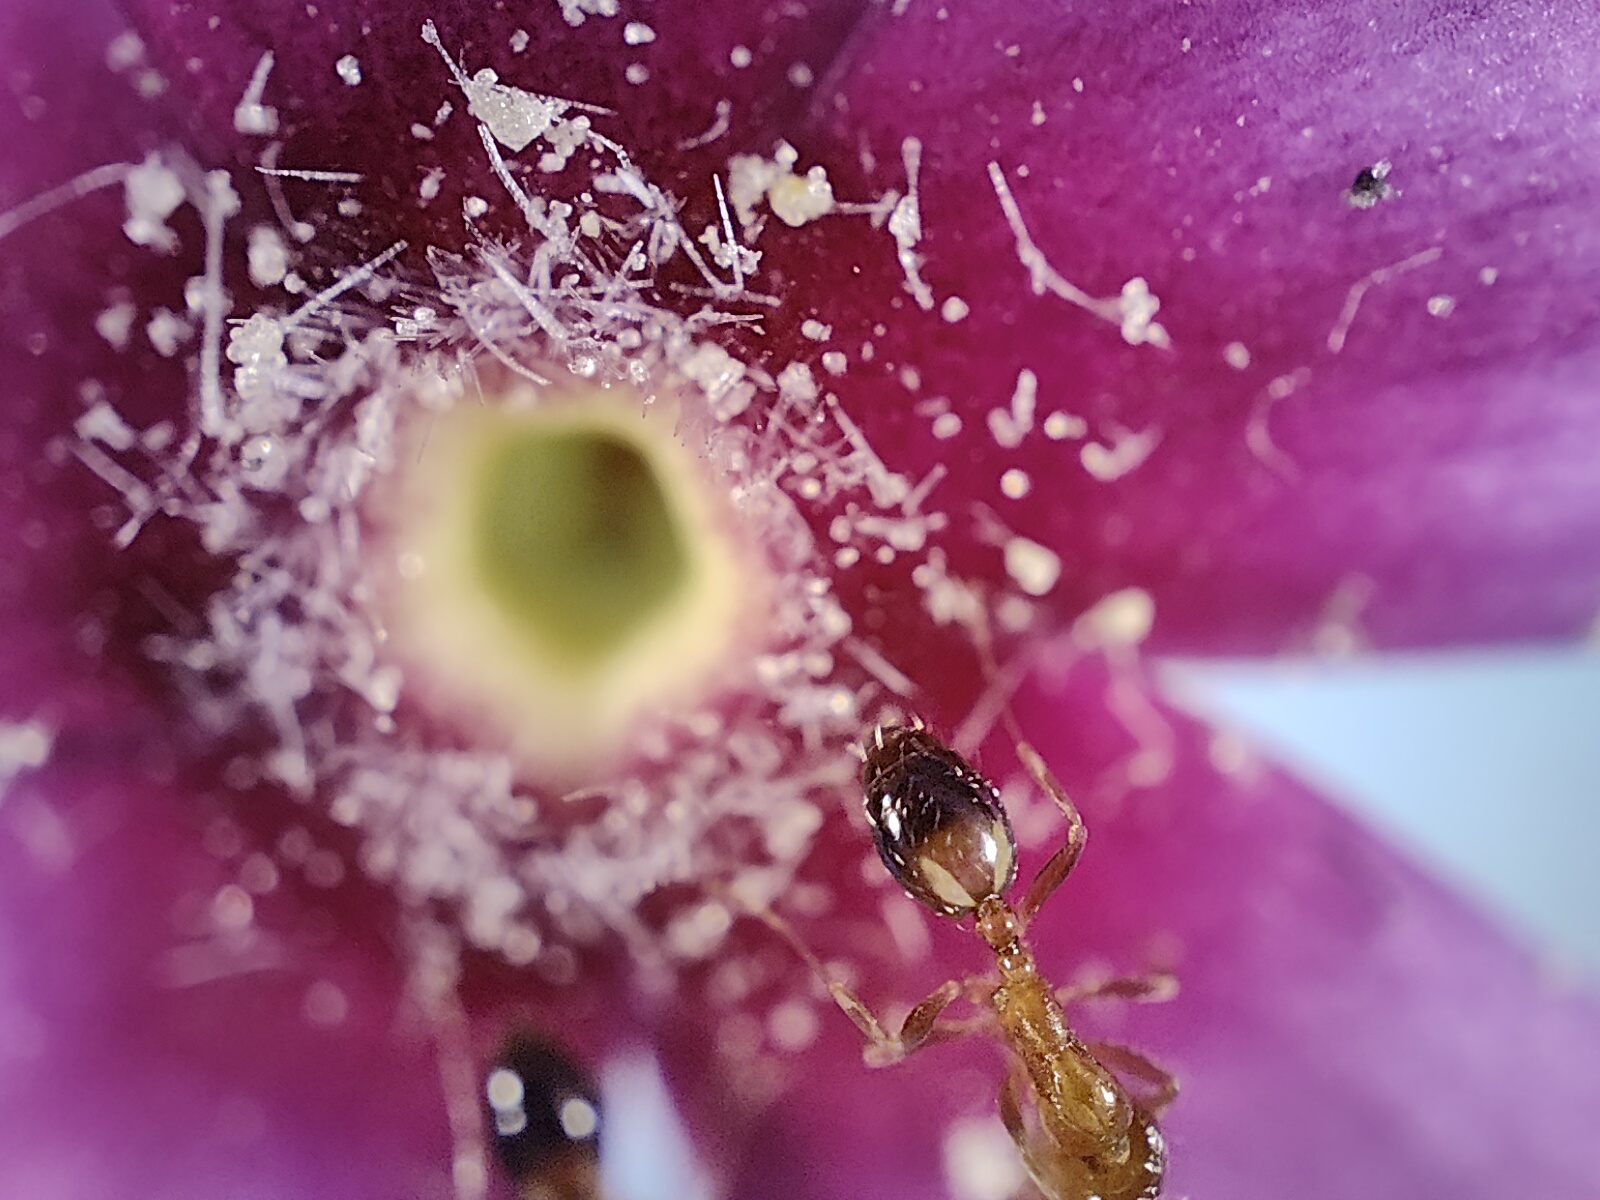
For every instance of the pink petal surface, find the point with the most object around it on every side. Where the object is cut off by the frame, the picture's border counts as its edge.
(147, 1054)
(1208, 150)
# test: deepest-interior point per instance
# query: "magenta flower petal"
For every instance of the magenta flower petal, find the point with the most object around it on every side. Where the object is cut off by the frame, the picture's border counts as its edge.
(201, 1010)
(156, 1043)
(1351, 397)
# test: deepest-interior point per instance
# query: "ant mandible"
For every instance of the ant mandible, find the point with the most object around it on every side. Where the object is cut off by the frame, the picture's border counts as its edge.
(944, 836)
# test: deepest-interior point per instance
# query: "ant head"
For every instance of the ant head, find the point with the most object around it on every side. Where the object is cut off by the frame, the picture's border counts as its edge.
(937, 822)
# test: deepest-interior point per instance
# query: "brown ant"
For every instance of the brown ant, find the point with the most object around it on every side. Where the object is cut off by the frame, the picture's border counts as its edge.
(944, 836)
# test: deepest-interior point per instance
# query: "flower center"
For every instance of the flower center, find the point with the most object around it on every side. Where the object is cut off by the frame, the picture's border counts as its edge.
(564, 568)
(577, 541)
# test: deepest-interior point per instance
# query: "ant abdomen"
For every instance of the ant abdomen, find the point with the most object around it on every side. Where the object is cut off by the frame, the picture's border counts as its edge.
(937, 822)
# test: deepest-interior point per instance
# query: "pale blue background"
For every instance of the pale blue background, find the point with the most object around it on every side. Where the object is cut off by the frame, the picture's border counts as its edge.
(1485, 767)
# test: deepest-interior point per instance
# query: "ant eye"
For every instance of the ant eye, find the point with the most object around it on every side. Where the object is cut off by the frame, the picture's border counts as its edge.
(545, 1111)
(938, 823)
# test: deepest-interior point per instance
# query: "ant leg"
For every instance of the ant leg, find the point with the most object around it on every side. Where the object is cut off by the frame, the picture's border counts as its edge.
(1063, 860)
(1030, 1142)
(435, 974)
(1127, 1061)
(1155, 988)
(1011, 1115)
(921, 1026)
(1061, 863)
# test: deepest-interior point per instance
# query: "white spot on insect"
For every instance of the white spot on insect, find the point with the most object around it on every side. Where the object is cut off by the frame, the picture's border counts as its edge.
(636, 73)
(348, 68)
(578, 1118)
(1033, 568)
(815, 330)
(946, 426)
(801, 75)
(1441, 306)
(519, 41)
(834, 362)
(1487, 276)
(954, 309)
(637, 33)
(1038, 117)
(740, 57)
(1236, 355)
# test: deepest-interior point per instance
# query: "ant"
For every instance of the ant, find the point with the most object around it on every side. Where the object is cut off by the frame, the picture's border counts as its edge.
(944, 836)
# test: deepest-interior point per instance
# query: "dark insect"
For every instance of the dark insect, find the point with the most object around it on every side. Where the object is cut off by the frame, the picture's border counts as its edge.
(544, 1111)
(1370, 186)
